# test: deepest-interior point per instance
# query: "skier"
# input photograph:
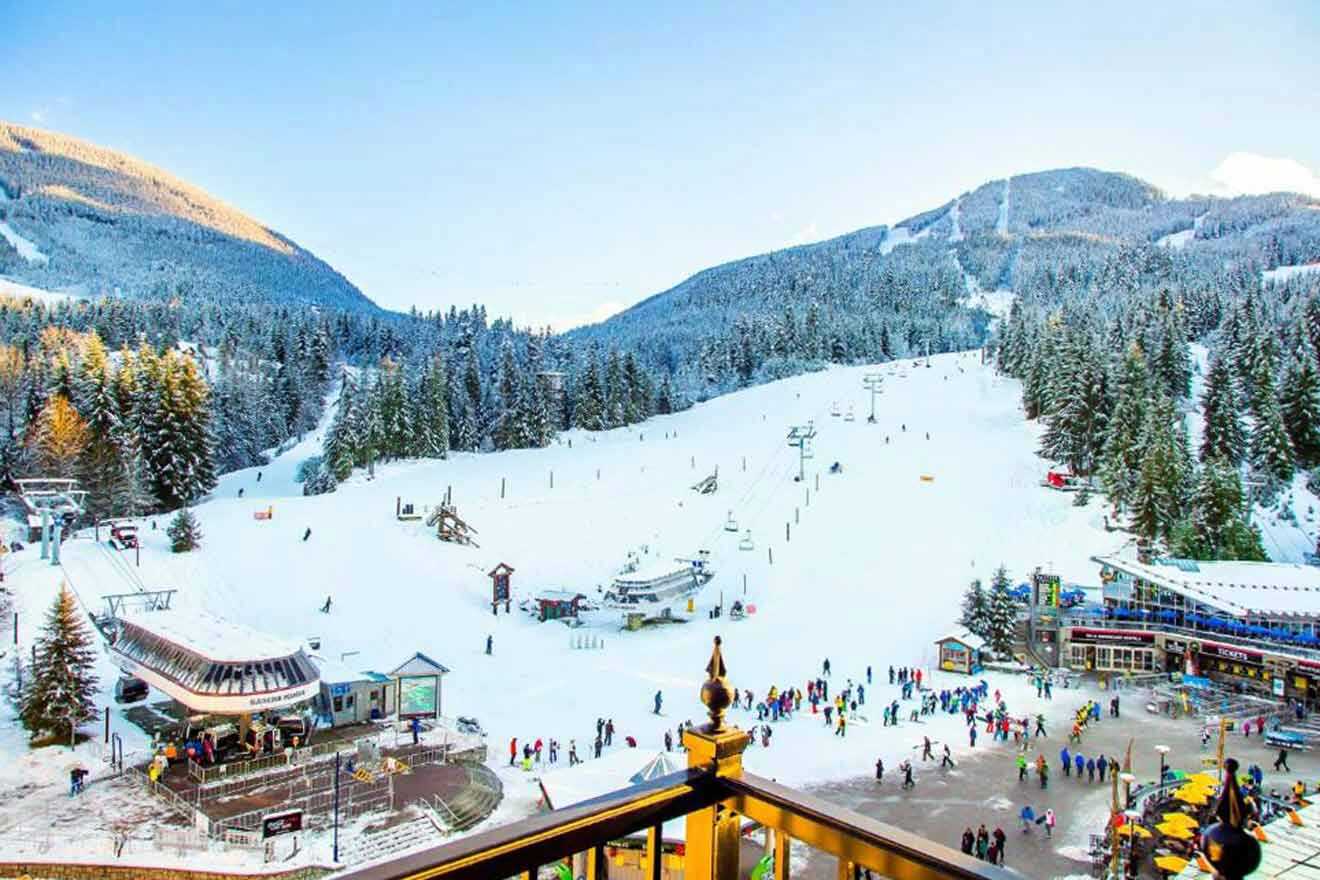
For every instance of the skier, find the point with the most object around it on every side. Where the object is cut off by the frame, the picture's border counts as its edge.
(825, 667)
(490, 645)
(947, 760)
(325, 609)
(258, 476)
(572, 753)
(908, 781)
(307, 534)
(513, 750)
(879, 770)
(1040, 726)
(842, 728)
(609, 732)
(868, 675)
(925, 750)
(240, 491)
(669, 741)
(658, 701)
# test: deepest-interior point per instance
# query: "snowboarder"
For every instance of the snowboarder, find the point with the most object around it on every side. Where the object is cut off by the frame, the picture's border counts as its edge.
(325, 609)
(659, 699)
(307, 534)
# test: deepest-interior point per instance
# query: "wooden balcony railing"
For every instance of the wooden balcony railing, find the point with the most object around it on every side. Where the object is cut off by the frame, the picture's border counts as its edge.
(717, 798)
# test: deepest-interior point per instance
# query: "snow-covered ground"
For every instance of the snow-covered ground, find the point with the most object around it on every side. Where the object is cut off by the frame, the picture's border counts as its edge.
(1283, 273)
(1001, 222)
(25, 247)
(1177, 240)
(955, 221)
(36, 294)
(869, 572)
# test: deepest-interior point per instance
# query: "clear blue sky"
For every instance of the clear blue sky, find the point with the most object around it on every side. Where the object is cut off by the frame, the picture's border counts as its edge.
(549, 159)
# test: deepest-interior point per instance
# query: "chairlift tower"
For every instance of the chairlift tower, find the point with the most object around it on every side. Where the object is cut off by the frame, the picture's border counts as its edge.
(874, 382)
(801, 436)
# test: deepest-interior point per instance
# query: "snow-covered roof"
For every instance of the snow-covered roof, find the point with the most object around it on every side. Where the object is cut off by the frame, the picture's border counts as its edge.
(210, 636)
(1239, 588)
(655, 571)
(971, 640)
(560, 595)
(420, 664)
(338, 672)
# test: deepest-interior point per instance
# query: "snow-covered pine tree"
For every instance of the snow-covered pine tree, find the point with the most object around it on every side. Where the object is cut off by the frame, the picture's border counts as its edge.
(1216, 527)
(184, 532)
(1299, 404)
(1159, 498)
(101, 465)
(1224, 437)
(1271, 450)
(1001, 614)
(1075, 429)
(61, 693)
(433, 411)
(664, 401)
(1120, 463)
(589, 402)
(339, 446)
(976, 609)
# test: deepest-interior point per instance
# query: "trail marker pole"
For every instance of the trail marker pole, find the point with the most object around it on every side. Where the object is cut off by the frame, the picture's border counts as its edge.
(787, 538)
(501, 487)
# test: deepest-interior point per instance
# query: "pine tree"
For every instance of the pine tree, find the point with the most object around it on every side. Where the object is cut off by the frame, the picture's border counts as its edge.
(1001, 614)
(589, 402)
(1079, 408)
(62, 690)
(1217, 527)
(339, 446)
(1299, 403)
(433, 412)
(976, 610)
(1160, 492)
(1121, 459)
(664, 401)
(184, 532)
(1224, 437)
(59, 437)
(1271, 450)
(102, 464)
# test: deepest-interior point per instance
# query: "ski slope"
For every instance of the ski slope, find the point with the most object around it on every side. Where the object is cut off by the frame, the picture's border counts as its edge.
(871, 571)
(25, 247)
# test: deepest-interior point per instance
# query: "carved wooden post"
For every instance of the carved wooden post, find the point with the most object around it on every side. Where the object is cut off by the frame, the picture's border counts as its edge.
(713, 833)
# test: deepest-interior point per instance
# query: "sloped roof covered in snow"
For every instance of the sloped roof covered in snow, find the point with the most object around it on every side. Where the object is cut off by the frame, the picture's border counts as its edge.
(420, 664)
(209, 636)
(1238, 588)
(969, 639)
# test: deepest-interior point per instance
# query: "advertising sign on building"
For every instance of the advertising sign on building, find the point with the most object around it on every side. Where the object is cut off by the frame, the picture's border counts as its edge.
(1229, 652)
(281, 823)
(1111, 637)
(418, 695)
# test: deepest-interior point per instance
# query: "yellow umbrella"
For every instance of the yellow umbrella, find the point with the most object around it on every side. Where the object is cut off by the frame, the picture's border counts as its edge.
(1130, 829)
(1177, 832)
(1171, 864)
(1201, 779)
(1192, 797)
(1182, 819)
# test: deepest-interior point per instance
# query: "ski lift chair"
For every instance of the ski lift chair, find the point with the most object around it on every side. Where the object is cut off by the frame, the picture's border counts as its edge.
(746, 542)
(731, 524)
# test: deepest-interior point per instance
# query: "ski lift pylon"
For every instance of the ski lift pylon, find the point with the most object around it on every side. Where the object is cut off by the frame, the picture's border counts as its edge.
(730, 524)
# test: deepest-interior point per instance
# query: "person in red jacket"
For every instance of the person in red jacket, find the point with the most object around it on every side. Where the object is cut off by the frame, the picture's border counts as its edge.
(513, 751)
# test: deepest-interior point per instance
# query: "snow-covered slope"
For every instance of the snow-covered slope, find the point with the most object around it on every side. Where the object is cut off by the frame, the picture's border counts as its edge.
(26, 248)
(870, 573)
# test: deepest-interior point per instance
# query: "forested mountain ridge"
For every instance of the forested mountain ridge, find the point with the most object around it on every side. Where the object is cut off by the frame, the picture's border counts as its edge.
(884, 292)
(76, 215)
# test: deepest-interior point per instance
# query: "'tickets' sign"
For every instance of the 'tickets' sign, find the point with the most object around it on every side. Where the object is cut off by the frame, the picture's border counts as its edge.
(1111, 637)
(1228, 652)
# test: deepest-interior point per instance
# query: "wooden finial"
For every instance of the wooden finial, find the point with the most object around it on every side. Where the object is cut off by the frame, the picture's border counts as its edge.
(715, 692)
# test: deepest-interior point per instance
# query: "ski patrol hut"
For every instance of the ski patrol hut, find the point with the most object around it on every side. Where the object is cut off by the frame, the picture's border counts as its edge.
(352, 697)
(558, 604)
(500, 590)
(961, 652)
(417, 685)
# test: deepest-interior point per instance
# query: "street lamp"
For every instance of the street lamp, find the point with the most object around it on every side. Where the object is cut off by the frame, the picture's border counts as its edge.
(1127, 779)
(1163, 750)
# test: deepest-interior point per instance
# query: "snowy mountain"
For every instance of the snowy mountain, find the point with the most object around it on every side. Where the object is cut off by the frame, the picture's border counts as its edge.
(887, 292)
(75, 215)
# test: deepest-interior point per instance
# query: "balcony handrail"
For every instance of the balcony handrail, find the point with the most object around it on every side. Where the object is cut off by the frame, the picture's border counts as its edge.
(852, 836)
(514, 850)
(1188, 632)
(550, 837)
